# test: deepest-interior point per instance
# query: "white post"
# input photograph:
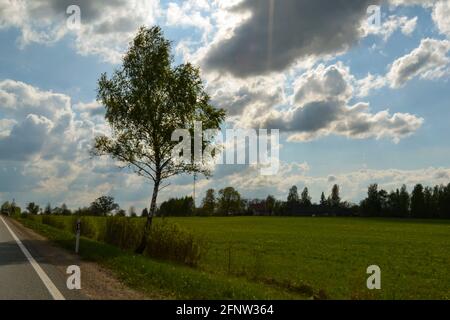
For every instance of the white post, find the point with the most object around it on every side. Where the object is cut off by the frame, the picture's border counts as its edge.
(77, 242)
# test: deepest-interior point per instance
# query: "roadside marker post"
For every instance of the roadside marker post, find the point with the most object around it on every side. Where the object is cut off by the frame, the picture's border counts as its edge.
(77, 241)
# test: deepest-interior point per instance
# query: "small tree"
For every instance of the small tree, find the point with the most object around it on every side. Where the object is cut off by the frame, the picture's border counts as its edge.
(323, 200)
(430, 204)
(230, 202)
(335, 198)
(305, 200)
(48, 209)
(418, 207)
(293, 195)
(393, 204)
(383, 197)
(270, 204)
(404, 202)
(146, 101)
(121, 213)
(65, 211)
(103, 206)
(33, 208)
(209, 202)
(436, 201)
(144, 213)
(373, 203)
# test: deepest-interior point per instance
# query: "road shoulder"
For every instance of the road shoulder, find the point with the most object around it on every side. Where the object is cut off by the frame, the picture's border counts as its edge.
(97, 282)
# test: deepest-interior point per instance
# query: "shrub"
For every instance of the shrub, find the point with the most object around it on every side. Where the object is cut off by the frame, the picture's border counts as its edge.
(123, 232)
(183, 207)
(56, 222)
(168, 241)
(32, 217)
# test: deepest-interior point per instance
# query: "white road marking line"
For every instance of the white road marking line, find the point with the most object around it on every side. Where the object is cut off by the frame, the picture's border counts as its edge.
(56, 294)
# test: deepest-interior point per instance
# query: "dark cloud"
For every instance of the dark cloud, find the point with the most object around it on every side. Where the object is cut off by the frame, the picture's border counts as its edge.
(329, 82)
(315, 116)
(123, 24)
(308, 119)
(106, 26)
(235, 102)
(25, 139)
(322, 108)
(301, 28)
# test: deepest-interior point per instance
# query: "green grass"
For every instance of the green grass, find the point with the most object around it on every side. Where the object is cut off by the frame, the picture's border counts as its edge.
(158, 279)
(275, 257)
(332, 254)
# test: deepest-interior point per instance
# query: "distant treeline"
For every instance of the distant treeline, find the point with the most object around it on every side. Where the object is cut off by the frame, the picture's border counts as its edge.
(422, 202)
(103, 206)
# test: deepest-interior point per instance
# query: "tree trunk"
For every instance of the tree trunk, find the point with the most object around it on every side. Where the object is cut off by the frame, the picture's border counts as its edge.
(151, 214)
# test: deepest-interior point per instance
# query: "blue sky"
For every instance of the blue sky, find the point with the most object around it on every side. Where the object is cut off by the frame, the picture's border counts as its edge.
(397, 133)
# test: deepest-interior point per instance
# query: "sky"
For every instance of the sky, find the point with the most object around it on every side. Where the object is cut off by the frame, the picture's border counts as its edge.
(358, 89)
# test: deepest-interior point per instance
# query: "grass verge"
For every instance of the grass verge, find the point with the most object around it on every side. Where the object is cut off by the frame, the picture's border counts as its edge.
(157, 278)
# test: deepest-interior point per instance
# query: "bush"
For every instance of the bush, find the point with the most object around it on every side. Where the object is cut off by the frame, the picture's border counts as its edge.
(183, 207)
(24, 215)
(56, 222)
(123, 232)
(168, 241)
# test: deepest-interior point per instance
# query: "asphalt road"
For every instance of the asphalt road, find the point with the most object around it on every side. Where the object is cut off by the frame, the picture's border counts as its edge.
(25, 272)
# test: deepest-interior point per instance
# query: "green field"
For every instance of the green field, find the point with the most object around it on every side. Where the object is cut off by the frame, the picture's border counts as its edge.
(332, 254)
(295, 258)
